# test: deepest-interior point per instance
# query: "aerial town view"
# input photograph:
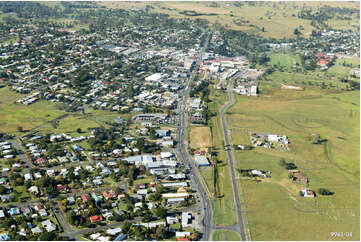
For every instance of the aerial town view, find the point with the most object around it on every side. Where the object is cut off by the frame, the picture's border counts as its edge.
(180, 121)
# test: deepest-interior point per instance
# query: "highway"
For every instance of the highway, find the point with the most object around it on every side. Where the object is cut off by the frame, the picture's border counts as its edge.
(239, 226)
(205, 205)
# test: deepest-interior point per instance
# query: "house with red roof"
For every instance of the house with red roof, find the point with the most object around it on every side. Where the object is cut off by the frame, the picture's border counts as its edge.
(196, 152)
(109, 195)
(183, 239)
(96, 218)
(84, 198)
(60, 187)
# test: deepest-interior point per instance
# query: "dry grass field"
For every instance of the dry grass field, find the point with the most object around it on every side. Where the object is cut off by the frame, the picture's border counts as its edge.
(200, 137)
(278, 19)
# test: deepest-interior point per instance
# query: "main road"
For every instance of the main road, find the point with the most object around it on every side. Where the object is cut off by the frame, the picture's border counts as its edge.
(181, 148)
(239, 224)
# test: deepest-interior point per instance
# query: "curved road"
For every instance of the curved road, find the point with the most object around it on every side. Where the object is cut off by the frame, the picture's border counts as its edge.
(239, 224)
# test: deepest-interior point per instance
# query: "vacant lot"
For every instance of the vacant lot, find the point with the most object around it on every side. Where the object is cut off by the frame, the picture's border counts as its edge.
(274, 204)
(200, 137)
(225, 235)
(13, 115)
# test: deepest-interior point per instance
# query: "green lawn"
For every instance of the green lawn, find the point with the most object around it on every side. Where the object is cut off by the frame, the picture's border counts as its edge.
(225, 235)
(340, 70)
(315, 78)
(274, 204)
(285, 60)
(29, 117)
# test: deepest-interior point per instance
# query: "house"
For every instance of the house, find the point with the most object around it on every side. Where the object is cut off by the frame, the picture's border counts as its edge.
(258, 173)
(186, 219)
(308, 193)
(182, 234)
(14, 211)
(62, 188)
(172, 220)
(151, 205)
(108, 215)
(43, 213)
(2, 214)
(113, 231)
(142, 192)
(3, 180)
(34, 189)
(48, 225)
(95, 236)
(175, 195)
(96, 218)
(37, 175)
(183, 239)
(4, 237)
(120, 237)
(27, 211)
(36, 230)
(70, 200)
(84, 198)
(6, 198)
(171, 201)
(109, 195)
(96, 197)
(50, 172)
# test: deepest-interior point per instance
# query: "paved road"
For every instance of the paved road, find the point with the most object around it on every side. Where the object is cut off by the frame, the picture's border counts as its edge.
(239, 224)
(205, 205)
(22, 154)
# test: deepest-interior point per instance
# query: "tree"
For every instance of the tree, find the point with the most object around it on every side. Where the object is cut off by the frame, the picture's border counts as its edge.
(78, 130)
(325, 192)
(282, 162)
(47, 236)
(160, 212)
(296, 32)
(2, 190)
(126, 227)
(20, 129)
(161, 232)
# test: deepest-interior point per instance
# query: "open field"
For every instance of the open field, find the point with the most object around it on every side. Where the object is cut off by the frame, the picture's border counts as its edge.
(311, 79)
(285, 60)
(225, 235)
(339, 70)
(28, 117)
(274, 203)
(200, 137)
(278, 20)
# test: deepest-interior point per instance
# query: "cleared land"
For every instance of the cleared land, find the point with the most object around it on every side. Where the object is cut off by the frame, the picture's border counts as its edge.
(200, 137)
(28, 117)
(225, 235)
(274, 204)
